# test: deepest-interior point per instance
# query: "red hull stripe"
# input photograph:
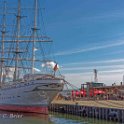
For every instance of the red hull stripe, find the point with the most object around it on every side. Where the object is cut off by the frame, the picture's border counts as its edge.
(34, 109)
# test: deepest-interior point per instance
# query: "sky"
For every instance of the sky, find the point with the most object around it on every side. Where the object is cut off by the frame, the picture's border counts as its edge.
(87, 35)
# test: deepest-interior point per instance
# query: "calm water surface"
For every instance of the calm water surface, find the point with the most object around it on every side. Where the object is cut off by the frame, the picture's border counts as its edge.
(52, 118)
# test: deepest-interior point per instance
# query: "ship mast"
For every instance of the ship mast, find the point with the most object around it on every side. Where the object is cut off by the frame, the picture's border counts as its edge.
(34, 29)
(16, 73)
(3, 31)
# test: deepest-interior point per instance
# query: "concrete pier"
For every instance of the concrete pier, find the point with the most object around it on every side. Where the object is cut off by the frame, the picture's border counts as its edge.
(107, 110)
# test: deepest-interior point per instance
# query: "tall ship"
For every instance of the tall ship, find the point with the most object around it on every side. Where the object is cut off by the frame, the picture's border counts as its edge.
(29, 79)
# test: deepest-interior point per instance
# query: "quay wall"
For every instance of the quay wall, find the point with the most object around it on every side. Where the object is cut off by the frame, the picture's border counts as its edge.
(107, 110)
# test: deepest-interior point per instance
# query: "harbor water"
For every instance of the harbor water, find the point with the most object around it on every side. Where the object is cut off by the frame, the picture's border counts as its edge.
(52, 118)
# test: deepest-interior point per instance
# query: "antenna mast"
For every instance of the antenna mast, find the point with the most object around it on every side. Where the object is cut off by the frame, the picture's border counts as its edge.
(3, 31)
(34, 29)
(123, 80)
(95, 76)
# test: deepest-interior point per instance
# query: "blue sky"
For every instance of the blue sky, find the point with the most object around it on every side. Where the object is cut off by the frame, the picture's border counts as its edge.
(87, 34)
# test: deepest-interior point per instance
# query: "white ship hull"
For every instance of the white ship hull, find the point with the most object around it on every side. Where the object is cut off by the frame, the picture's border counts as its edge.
(28, 79)
(30, 96)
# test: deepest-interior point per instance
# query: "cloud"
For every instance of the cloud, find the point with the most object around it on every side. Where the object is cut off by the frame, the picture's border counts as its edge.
(107, 74)
(93, 48)
(111, 61)
(108, 78)
(109, 71)
(91, 67)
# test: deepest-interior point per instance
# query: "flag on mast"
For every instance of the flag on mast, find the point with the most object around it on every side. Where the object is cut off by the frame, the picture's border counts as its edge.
(51, 64)
(56, 67)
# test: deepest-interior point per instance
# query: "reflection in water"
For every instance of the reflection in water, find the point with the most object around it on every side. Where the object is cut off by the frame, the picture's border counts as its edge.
(23, 118)
(52, 118)
(71, 119)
